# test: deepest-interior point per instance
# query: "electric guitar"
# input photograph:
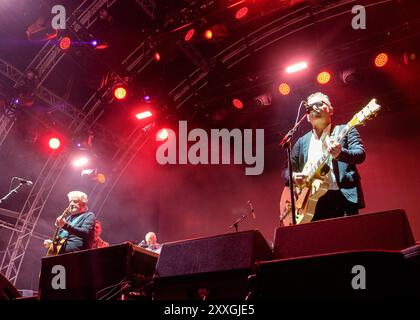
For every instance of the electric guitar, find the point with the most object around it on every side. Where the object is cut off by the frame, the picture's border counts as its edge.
(57, 242)
(315, 185)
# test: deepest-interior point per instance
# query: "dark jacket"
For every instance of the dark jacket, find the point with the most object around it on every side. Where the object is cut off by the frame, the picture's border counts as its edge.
(345, 171)
(79, 230)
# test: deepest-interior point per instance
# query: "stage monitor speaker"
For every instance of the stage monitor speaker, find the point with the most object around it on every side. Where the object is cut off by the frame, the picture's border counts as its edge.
(211, 267)
(357, 275)
(88, 272)
(387, 230)
(7, 290)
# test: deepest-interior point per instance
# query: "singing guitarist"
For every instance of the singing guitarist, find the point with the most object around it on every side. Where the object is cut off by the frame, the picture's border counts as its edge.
(344, 195)
(76, 227)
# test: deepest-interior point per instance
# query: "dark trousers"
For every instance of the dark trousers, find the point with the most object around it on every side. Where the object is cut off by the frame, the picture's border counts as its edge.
(333, 205)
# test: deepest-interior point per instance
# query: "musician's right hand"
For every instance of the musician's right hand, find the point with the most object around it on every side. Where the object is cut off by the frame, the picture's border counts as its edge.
(299, 178)
(47, 243)
(60, 222)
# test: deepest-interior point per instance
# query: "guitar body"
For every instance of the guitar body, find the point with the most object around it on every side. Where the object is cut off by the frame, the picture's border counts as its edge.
(306, 199)
(56, 247)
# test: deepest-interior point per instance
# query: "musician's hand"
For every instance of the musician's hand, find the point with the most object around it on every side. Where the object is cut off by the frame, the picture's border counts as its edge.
(60, 222)
(335, 149)
(299, 178)
(47, 243)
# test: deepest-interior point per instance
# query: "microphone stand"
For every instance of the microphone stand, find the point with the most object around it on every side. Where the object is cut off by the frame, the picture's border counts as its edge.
(285, 143)
(235, 224)
(11, 192)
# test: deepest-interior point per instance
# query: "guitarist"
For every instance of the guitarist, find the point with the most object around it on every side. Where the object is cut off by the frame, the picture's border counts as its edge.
(344, 195)
(78, 227)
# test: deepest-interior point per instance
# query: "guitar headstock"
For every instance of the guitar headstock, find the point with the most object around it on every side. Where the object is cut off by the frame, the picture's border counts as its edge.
(366, 113)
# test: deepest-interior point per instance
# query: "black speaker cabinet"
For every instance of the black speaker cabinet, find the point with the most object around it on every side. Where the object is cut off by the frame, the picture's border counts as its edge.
(387, 230)
(358, 275)
(209, 268)
(7, 290)
(87, 272)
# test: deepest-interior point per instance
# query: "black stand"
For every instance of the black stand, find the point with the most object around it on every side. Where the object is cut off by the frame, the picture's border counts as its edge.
(235, 224)
(11, 192)
(285, 143)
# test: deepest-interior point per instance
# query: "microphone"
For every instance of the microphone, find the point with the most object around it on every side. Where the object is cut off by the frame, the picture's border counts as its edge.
(252, 209)
(23, 181)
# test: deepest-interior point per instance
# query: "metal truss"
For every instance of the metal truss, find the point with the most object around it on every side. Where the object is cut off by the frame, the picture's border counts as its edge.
(138, 59)
(192, 53)
(28, 217)
(6, 124)
(148, 6)
(60, 105)
(83, 17)
(274, 31)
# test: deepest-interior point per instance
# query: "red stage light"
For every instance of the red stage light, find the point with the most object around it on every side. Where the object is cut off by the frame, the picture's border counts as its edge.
(65, 43)
(238, 104)
(120, 92)
(241, 13)
(156, 56)
(54, 143)
(381, 60)
(284, 89)
(323, 77)
(143, 115)
(208, 34)
(189, 35)
(162, 134)
(297, 67)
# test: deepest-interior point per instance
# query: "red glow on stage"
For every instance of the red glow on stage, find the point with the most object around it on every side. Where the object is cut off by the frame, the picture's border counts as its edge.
(238, 104)
(156, 56)
(120, 93)
(284, 89)
(208, 34)
(189, 35)
(54, 143)
(143, 115)
(65, 43)
(323, 77)
(241, 13)
(297, 67)
(162, 134)
(381, 60)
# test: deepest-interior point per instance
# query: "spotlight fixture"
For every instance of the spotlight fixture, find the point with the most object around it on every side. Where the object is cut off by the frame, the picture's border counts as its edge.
(65, 43)
(323, 77)
(54, 143)
(297, 67)
(381, 60)
(284, 89)
(120, 92)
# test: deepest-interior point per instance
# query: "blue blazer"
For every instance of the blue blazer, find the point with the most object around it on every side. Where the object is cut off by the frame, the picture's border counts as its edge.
(79, 231)
(344, 168)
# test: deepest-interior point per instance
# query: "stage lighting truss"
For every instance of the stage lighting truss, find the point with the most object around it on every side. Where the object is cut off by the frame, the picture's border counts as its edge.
(275, 30)
(83, 17)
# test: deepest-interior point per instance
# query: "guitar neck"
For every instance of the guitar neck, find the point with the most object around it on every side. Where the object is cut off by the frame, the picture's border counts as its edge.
(57, 230)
